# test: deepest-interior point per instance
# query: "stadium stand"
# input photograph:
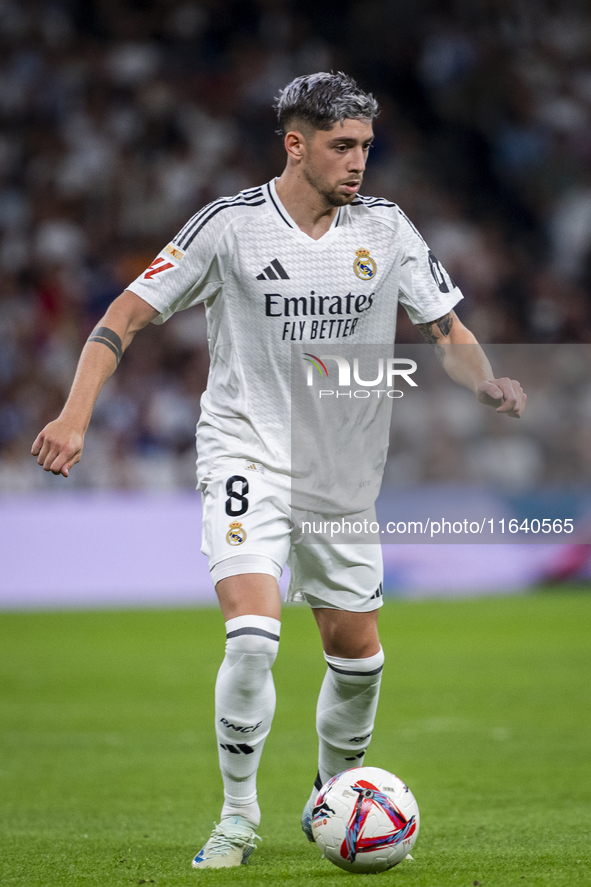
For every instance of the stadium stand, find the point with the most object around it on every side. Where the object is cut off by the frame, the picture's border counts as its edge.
(119, 119)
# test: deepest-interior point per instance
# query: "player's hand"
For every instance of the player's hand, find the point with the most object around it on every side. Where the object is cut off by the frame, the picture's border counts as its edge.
(506, 395)
(58, 447)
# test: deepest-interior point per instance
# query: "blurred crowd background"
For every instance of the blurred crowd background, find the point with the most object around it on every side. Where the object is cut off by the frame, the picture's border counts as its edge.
(119, 119)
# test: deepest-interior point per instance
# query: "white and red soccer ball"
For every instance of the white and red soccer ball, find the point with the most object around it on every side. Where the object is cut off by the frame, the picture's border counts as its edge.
(365, 820)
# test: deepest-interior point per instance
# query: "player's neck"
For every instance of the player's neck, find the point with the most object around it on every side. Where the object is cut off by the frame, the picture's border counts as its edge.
(311, 213)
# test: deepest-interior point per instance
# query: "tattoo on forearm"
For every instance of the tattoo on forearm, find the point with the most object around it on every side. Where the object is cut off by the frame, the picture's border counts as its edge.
(443, 324)
(425, 331)
(105, 336)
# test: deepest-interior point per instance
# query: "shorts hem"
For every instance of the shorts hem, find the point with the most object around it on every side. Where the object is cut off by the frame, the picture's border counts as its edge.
(261, 563)
(316, 604)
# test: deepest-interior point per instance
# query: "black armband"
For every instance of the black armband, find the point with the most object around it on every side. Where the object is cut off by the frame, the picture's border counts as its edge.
(109, 338)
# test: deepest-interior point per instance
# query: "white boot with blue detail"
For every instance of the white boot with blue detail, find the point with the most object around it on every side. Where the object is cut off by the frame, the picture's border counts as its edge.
(230, 844)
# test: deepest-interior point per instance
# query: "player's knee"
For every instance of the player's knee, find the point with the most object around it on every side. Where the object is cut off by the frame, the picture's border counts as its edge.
(254, 650)
(348, 634)
(252, 641)
(362, 646)
(366, 670)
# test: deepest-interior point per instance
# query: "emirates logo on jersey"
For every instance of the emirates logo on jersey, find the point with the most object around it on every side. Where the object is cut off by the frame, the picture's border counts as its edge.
(364, 266)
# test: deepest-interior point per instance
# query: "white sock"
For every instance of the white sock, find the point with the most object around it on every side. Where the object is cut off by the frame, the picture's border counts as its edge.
(345, 714)
(244, 709)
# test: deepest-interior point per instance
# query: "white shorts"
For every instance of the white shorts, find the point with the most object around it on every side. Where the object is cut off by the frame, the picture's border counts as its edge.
(247, 528)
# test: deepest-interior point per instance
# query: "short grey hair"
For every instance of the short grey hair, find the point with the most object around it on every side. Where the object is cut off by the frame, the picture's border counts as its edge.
(321, 100)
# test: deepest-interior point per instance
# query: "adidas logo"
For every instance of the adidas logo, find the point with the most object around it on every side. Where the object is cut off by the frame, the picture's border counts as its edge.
(377, 593)
(241, 748)
(273, 271)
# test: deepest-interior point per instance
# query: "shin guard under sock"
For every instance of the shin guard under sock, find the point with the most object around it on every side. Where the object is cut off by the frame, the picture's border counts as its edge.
(346, 711)
(244, 709)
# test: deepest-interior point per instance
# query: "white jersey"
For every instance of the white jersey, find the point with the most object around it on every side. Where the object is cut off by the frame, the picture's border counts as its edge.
(268, 287)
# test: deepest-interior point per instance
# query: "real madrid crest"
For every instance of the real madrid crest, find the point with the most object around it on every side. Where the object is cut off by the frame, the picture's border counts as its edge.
(236, 535)
(364, 266)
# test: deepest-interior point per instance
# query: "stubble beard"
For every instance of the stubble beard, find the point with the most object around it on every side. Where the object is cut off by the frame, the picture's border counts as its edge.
(331, 196)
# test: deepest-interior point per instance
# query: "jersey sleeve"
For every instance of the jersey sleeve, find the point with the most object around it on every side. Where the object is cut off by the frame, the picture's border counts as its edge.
(188, 270)
(426, 290)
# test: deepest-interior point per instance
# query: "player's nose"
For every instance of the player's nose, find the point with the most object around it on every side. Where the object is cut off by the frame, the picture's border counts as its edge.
(357, 160)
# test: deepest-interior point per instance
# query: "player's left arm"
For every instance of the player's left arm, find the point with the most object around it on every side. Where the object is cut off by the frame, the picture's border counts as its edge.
(466, 363)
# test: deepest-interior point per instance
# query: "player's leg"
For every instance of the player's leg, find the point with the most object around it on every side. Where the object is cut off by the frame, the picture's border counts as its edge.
(244, 708)
(246, 551)
(349, 695)
(244, 692)
(343, 585)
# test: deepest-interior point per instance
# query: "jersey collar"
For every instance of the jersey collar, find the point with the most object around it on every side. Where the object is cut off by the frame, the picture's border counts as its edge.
(286, 219)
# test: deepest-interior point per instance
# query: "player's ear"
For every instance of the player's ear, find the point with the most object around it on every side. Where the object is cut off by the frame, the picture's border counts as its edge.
(295, 144)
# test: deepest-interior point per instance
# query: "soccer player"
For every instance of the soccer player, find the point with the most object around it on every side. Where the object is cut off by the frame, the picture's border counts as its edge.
(300, 259)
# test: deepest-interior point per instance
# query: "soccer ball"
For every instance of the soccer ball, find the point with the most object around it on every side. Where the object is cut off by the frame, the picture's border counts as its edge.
(365, 820)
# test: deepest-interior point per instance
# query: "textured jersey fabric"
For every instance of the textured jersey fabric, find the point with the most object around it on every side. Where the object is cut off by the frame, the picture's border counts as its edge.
(270, 289)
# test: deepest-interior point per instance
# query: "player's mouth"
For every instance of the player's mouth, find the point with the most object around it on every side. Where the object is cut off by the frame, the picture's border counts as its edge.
(352, 187)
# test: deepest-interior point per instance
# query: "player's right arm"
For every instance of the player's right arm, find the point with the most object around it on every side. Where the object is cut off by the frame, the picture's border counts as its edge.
(59, 446)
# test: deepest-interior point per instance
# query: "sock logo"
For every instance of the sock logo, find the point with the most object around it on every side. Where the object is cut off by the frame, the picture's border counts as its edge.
(249, 729)
(360, 738)
(240, 749)
(354, 758)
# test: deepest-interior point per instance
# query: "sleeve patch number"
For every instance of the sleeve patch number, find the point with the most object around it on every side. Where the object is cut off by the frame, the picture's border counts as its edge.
(437, 272)
(235, 498)
(156, 267)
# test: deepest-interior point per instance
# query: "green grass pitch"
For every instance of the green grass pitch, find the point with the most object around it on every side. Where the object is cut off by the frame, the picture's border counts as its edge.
(108, 767)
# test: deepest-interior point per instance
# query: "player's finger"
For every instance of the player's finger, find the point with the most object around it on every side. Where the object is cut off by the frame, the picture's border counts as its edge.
(489, 391)
(519, 406)
(43, 452)
(493, 388)
(518, 411)
(37, 444)
(514, 404)
(508, 405)
(50, 452)
(510, 395)
(63, 460)
(70, 464)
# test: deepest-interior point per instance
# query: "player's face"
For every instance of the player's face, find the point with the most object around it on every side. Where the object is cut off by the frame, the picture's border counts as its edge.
(334, 160)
